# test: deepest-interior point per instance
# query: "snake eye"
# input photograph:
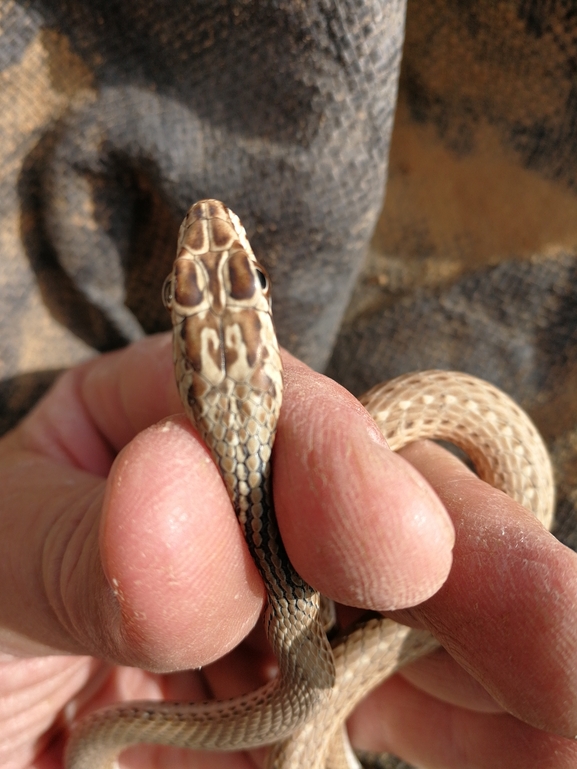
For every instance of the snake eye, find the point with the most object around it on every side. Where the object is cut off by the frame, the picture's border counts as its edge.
(167, 292)
(262, 278)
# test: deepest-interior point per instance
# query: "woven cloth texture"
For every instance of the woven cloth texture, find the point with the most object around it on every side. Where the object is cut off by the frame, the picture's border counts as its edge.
(115, 117)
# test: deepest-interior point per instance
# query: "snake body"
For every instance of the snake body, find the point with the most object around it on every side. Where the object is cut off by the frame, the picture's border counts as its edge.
(229, 375)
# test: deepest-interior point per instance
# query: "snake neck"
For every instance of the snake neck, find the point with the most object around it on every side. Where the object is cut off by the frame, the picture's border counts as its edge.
(240, 436)
(238, 425)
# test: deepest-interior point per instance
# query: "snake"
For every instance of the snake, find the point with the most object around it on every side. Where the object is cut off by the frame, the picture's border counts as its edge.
(229, 376)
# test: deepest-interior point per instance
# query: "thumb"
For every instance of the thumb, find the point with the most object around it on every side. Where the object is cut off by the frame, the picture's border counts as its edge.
(124, 568)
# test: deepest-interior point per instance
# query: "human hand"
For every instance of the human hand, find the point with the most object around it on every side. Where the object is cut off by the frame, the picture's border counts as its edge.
(118, 570)
(506, 694)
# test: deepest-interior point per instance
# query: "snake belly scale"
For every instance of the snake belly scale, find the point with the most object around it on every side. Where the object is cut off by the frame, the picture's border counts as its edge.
(229, 376)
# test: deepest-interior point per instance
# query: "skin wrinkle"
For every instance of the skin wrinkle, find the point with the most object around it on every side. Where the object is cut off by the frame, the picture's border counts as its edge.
(366, 583)
(53, 529)
(123, 411)
(92, 454)
(21, 685)
(139, 417)
(29, 710)
(438, 675)
(107, 413)
(384, 577)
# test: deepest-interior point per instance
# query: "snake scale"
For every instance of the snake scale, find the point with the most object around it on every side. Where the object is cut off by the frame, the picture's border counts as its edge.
(229, 375)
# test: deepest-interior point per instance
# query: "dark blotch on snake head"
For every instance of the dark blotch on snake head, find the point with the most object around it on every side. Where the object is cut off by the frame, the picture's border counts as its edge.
(187, 291)
(241, 276)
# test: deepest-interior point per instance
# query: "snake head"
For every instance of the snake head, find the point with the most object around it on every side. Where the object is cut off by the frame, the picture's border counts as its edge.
(219, 298)
(215, 266)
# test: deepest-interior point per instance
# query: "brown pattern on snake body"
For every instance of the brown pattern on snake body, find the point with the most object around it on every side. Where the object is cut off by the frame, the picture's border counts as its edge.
(202, 335)
(243, 346)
